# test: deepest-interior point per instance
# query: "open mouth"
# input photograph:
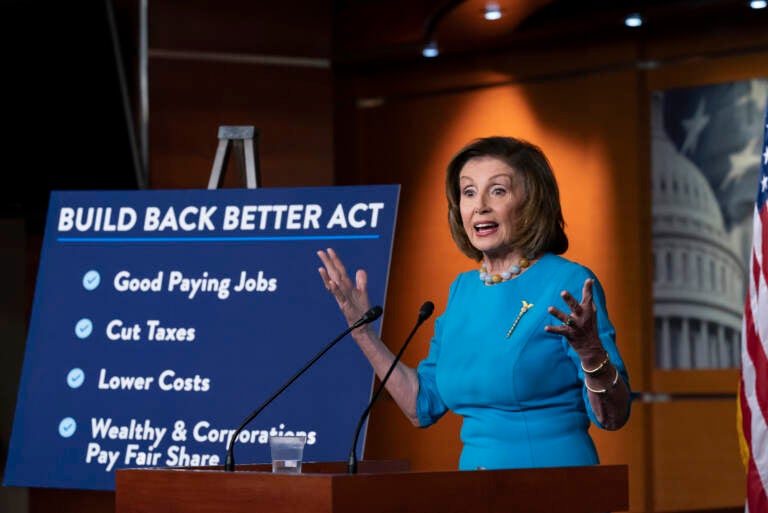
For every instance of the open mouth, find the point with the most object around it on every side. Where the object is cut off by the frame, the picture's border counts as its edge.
(485, 228)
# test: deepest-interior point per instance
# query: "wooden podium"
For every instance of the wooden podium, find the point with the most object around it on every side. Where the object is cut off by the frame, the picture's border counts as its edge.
(379, 487)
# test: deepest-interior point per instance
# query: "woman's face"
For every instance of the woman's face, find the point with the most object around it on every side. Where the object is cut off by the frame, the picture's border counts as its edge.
(491, 194)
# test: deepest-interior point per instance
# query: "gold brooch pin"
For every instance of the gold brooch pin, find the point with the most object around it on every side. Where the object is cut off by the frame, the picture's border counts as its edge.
(526, 306)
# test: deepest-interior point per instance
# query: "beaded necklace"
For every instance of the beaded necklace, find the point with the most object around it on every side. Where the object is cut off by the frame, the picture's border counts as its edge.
(514, 270)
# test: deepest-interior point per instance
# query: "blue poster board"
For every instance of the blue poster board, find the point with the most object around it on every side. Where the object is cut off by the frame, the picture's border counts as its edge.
(162, 319)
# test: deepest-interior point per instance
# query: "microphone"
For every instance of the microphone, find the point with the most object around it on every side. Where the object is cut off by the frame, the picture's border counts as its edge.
(368, 317)
(424, 312)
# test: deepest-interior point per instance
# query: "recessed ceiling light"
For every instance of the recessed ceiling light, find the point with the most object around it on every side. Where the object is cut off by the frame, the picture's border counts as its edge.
(430, 50)
(492, 12)
(758, 4)
(633, 20)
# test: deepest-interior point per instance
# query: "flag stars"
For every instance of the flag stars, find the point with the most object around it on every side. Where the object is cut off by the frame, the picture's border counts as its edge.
(741, 163)
(693, 127)
(765, 155)
(764, 184)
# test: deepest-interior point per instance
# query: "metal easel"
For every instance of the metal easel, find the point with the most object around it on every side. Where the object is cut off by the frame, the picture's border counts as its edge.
(246, 155)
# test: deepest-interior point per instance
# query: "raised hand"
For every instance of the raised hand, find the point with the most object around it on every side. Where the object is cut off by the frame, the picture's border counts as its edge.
(352, 298)
(580, 327)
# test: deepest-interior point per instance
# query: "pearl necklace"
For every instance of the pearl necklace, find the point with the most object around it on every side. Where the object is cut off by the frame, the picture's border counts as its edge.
(514, 270)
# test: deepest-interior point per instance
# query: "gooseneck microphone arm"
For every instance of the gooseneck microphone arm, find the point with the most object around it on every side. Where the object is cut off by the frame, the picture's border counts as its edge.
(424, 312)
(368, 317)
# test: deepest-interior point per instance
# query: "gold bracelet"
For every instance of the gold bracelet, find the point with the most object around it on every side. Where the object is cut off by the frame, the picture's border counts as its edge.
(597, 370)
(613, 384)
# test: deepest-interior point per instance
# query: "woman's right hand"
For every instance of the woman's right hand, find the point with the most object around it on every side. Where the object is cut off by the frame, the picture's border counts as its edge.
(352, 298)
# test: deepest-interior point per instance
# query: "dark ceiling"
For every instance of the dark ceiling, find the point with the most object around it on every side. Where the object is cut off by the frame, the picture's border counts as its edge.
(376, 30)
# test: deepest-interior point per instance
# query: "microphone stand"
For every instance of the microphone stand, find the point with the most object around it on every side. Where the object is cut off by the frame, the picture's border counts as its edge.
(424, 313)
(369, 316)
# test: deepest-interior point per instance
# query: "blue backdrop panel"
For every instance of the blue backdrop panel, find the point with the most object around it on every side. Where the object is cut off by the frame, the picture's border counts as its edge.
(162, 319)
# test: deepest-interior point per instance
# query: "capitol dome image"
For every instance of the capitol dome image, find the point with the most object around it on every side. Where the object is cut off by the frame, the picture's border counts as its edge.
(698, 276)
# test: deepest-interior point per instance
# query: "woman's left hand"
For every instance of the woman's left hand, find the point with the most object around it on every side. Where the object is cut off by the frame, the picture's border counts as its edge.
(580, 327)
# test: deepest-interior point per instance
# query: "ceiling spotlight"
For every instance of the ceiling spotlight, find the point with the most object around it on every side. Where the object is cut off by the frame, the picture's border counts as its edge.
(758, 4)
(492, 12)
(430, 50)
(633, 20)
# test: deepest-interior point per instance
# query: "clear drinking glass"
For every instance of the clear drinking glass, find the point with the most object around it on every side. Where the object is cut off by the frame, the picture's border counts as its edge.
(287, 452)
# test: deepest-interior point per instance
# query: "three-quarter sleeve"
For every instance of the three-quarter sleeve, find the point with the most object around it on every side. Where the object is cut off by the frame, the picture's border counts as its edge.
(429, 404)
(606, 333)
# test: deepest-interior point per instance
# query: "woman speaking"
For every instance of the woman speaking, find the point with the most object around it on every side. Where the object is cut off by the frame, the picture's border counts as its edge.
(524, 352)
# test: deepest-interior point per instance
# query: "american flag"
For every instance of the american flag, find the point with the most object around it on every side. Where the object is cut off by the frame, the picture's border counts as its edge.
(753, 388)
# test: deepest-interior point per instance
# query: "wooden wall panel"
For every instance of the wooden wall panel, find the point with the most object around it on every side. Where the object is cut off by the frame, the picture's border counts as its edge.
(240, 62)
(291, 107)
(296, 28)
(696, 455)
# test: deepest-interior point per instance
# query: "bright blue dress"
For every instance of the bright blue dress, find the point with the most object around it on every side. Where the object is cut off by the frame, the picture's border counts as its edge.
(522, 398)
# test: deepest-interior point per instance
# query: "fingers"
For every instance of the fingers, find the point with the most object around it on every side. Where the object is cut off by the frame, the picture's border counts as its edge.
(329, 273)
(557, 330)
(577, 309)
(335, 276)
(361, 280)
(586, 292)
(330, 262)
(324, 276)
(581, 317)
(560, 329)
(334, 268)
(559, 314)
(338, 264)
(570, 326)
(352, 298)
(325, 259)
(571, 302)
